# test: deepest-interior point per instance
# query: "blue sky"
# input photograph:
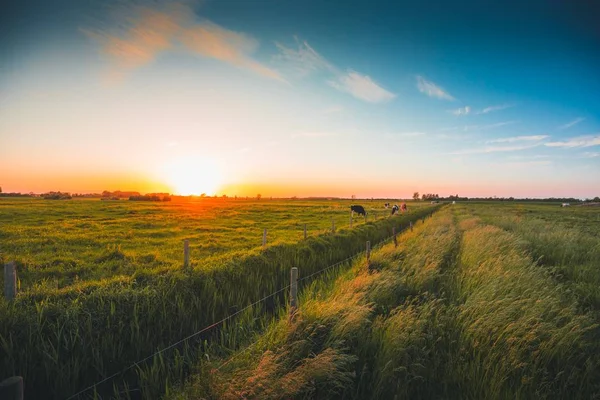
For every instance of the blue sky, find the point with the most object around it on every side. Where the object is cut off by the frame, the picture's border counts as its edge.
(302, 98)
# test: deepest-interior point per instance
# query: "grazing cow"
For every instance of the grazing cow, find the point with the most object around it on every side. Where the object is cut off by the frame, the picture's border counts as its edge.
(387, 205)
(395, 209)
(403, 207)
(360, 210)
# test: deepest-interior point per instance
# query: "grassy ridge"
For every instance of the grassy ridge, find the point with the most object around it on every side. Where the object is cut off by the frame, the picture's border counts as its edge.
(345, 340)
(61, 340)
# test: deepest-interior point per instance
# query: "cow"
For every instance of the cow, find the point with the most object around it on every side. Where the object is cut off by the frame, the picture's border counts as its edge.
(403, 207)
(387, 205)
(395, 209)
(360, 210)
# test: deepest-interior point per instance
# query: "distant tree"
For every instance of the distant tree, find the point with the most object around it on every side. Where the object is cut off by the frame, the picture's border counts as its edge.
(203, 195)
(595, 199)
(416, 196)
(353, 197)
(0, 189)
(258, 196)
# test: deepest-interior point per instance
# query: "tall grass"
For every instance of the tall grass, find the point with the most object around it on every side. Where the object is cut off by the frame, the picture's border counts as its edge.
(61, 340)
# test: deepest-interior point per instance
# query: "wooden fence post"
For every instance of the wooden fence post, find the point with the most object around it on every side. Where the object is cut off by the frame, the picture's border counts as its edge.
(411, 228)
(368, 252)
(293, 290)
(264, 244)
(12, 388)
(332, 225)
(395, 238)
(186, 253)
(10, 280)
(304, 231)
(351, 214)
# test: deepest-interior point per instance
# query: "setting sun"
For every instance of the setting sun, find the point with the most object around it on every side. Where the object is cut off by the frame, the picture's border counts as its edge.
(193, 176)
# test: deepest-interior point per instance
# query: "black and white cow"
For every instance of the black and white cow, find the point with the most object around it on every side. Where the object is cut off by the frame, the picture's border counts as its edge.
(395, 209)
(360, 210)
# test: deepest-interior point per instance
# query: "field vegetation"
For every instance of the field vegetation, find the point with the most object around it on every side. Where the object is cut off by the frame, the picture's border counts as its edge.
(466, 308)
(64, 332)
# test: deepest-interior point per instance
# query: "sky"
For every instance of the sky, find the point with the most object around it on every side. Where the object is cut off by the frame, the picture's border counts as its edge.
(301, 98)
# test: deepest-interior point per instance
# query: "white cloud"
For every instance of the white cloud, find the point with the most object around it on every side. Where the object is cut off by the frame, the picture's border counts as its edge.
(314, 134)
(361, 87)
(581, 141)
(570, 124)
(461, 111)
(519, 164)
(588, 154)
(305, 59)
(494, 149)
(333, 109)
(519, 139)
(431, 89)
(495, 108)
(490, 126)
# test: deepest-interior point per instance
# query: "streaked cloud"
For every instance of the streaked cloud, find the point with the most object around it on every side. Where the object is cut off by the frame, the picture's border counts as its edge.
(494, 149)
(333, 109)
(589, 154)
(572, 123)
(432, 90)
(495, 108)
(488, 126)
(519, 139)
(314, 134)
(362, 87)
(520, 164)
(581, 141)
(151, 31)
(304, 59)
(461, 111)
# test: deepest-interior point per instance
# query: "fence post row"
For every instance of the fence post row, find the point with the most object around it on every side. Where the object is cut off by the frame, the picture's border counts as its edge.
(411, 228)
(332, 225)
(394, 235)
(10, 280)
(264, 243)
(12, 388)
(293, 290)
(186, 253)
(304, 231)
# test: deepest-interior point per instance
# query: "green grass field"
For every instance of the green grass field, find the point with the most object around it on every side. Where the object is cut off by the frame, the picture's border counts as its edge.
(56, 243)
(102, 283)
(483, 300)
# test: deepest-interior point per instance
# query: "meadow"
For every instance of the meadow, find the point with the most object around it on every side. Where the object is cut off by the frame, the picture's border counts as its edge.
(57, 243)
(102, 283)
(482, 301)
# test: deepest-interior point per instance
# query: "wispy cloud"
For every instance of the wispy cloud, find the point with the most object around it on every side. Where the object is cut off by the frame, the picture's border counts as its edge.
(494, 149)
(304, 59)
(333, 109)
(520, 164)
(581, 141)
(495, 108)
(589, 154)
(361, 87)
(519, 139)
(314, 134)
(411, 134)
(151, 31)
(461, 111)
(489, 126)
(572, 123)
(431, 89)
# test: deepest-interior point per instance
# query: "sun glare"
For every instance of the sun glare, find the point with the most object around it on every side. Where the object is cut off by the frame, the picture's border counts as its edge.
(193, 176)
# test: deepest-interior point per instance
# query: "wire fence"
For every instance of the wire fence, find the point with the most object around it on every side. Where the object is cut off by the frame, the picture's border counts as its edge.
(378, 245)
